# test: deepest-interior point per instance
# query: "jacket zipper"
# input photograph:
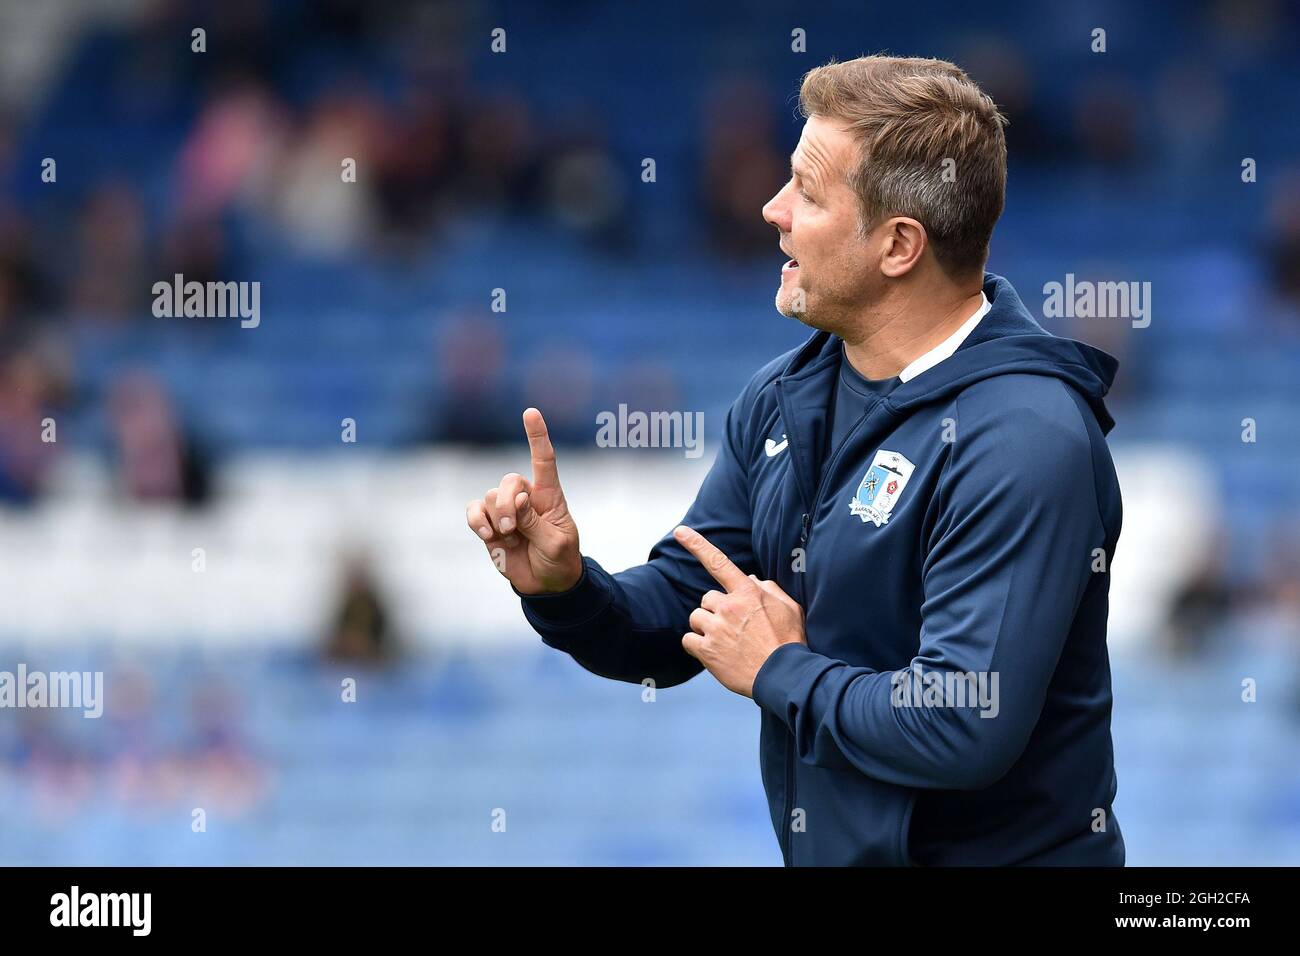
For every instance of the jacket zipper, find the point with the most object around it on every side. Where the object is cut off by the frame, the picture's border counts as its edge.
(787, 835)
(805, 531)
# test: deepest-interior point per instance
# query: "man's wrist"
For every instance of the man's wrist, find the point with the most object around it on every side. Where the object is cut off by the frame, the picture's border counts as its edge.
(767, 691)
(590, 595)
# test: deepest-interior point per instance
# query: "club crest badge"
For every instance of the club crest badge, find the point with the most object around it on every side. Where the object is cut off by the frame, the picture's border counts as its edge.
(881, 487)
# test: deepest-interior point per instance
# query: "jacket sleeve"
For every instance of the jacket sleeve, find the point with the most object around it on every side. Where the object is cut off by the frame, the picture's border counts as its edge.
(629, 626)
(1009, 556)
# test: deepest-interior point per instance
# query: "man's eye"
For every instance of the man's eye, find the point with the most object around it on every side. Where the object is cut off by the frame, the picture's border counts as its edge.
(805, 196)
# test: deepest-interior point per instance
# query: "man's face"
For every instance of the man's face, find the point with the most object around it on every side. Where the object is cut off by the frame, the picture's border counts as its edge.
(829, 275)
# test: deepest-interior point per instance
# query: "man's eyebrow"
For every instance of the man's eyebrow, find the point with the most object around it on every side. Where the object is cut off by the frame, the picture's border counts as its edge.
(802, 172)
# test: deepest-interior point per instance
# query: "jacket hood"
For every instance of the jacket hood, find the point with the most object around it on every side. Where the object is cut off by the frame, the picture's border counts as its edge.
(1006, 341)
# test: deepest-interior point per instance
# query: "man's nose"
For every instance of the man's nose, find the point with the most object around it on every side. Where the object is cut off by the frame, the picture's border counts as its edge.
(777, 212)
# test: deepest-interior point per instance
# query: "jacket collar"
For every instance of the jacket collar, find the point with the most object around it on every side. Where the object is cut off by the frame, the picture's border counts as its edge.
(949, 345)
(1000, 339)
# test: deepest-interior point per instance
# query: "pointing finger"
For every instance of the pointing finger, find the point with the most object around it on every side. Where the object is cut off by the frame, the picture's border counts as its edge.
(545, 474)
(714, 561)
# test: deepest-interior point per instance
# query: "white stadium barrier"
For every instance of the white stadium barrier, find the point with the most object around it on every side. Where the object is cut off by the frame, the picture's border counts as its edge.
(85, 565)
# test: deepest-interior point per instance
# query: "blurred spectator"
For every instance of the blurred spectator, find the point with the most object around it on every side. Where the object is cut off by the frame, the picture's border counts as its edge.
(155, 459)
(648, 385)
(1281, 578)
(195, 247)
(478, 404)
(1107, 119)
(743, 168)
(322, 212)
(587, 195)
(498, 166)
(113, 273)
(416, 157)
(584, 190)
(214, 759)
(23, 290)
(1002, 69)
(360, 633)
(1199, 608)
(27, 394)
(1190, 102)
(560, 380)
(1113, 334)
(1248, 30)
(1283, 253)
(230, 152)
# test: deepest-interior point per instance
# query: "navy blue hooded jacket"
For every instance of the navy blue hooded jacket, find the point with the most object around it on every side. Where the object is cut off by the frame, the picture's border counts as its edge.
(965, 526)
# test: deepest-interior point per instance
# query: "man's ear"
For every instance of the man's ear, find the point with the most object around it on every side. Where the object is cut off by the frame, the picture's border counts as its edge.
(903, 242)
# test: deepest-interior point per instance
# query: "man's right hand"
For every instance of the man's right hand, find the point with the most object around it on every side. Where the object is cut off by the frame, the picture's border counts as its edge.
(526, 526)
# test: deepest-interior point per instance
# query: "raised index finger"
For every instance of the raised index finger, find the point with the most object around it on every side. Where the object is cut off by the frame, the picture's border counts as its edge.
(541, 450)
(715, 562)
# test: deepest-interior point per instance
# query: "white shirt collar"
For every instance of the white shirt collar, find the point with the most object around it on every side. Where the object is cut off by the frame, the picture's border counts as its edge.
(949, 345)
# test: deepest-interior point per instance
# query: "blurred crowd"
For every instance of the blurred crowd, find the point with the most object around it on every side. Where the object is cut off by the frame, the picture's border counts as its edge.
(222, 164)
(144, 754)
(242, 148)
(252, 143)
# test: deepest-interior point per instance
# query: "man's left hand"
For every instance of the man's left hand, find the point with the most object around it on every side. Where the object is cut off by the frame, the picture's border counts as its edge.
(733, 633)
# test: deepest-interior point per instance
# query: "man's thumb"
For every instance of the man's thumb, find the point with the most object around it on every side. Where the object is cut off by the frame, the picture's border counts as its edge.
(552, 540)
(531, 526)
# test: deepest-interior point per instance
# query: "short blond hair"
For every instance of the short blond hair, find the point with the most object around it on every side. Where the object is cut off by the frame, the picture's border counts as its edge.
(915, 119)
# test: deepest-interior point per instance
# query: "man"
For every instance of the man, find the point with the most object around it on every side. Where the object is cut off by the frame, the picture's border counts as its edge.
(902, 550)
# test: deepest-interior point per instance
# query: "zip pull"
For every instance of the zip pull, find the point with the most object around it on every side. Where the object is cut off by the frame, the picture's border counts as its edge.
(803, 529)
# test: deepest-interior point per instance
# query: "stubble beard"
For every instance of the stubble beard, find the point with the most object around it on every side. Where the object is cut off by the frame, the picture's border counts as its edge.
(797, 304)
